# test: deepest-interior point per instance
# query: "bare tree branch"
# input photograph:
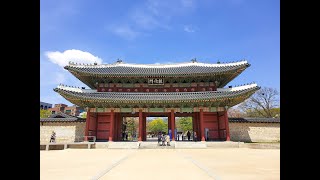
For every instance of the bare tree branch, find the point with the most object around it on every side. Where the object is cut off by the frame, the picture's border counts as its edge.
(263, 103)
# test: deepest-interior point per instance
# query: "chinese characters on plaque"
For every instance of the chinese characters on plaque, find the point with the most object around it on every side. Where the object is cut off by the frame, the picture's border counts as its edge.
(155, 82)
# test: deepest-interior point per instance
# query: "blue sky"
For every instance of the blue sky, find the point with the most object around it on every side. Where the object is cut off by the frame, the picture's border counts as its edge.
(158, 31)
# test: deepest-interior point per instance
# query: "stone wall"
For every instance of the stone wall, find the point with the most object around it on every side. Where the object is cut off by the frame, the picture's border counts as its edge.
(254, 132)
(65, 131)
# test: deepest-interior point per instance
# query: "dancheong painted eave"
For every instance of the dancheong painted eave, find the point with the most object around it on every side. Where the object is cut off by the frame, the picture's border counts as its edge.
(222, 97)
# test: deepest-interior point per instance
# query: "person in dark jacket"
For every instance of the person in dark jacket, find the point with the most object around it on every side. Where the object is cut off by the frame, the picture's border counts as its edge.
(53, 137)
(188, 134)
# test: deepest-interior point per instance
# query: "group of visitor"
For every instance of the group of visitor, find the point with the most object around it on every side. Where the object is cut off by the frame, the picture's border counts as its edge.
(188, 135)
(162, 138)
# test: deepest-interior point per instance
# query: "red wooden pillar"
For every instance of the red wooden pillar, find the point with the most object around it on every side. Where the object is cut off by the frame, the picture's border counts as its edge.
(218, 124)
(172, 124)
(144, 128)
(111, 125)
(140, 125)
(201, 125)
(227, 125)
(87, 124)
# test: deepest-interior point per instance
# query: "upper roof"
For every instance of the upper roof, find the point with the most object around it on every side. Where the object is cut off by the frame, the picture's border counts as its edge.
(90, 74)
(125, 69)
(59, 117)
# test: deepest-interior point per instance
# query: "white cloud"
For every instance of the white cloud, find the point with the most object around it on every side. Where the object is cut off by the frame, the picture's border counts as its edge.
(125, 32)
(187, 3)
(73, 55)
(189, 29)
(151, 15)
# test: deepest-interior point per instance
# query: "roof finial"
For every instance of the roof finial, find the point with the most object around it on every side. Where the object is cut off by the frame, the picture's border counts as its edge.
(119, 61)
(194, 60)
(218, 61)
(95, 63)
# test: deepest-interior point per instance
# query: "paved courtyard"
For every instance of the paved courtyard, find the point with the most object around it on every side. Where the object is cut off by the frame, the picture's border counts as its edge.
(154, 164)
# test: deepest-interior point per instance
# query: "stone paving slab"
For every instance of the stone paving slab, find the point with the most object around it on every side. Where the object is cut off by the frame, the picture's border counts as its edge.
(221, 164)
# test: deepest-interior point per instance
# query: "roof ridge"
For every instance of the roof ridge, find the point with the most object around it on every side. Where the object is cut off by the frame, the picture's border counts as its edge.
(121, 63)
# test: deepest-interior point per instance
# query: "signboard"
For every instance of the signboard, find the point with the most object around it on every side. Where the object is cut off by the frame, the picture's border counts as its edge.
(156, 81)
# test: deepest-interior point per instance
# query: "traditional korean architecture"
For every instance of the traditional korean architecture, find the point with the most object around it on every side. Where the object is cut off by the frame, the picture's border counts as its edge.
(190, 89)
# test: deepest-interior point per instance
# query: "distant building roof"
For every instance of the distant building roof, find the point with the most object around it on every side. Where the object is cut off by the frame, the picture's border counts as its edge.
(62, 117)
(254, 120)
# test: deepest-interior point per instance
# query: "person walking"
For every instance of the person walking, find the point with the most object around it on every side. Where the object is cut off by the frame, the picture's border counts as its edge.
(195, 136)
(188, 134)
(162, 139)
(53, 137)
(159, 138)
(168, 140)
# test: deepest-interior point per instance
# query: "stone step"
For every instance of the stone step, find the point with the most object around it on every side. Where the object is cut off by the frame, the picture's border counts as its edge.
(123, 145)
(155, 145)
(224, 144)
(190, 145)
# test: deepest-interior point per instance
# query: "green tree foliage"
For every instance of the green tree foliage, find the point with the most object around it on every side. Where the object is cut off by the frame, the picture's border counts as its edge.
(157, 125)
(44, 113)
(132, 125)
(83, 115)
(184, 124)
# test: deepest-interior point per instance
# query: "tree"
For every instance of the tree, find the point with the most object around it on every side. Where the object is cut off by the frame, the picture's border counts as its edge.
(83, 115)
(131, 126)
(44, 113)
(235, 112)
(264, 103)
(184, 124)
(156, 125)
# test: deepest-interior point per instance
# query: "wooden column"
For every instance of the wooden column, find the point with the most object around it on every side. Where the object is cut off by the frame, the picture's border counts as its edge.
(111, 125)
(140, 125)
(218, 124)
(87, 124)
(227, 125)
(201, 125)
(172, 124)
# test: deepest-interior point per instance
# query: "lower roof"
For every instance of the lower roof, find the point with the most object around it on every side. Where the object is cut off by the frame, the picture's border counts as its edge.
(223, 97)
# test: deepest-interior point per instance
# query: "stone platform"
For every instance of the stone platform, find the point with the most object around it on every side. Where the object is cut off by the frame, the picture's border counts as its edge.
(155, 145)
